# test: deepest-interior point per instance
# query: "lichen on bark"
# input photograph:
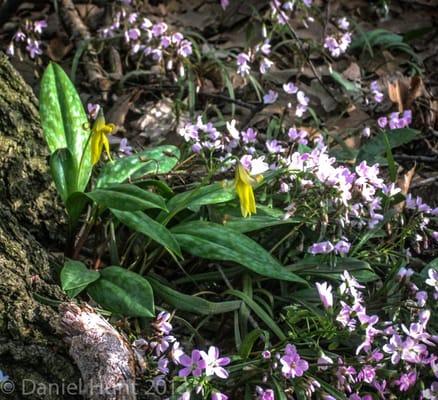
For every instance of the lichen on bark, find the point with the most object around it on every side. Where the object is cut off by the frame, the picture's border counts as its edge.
(30, 221)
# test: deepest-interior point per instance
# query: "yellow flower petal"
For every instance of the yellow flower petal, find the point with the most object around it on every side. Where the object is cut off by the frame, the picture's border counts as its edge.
(96, 147)
(243, 185)
(105, 142)
(99, 138)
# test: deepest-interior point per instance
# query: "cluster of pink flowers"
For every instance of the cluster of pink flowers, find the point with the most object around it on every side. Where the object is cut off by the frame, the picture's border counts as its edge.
(288, 364)
(396, 120)
(259, 54)
(302, 99)
(409, 349)
(356, 197)
(282, 10)
(425, 215)
(167, 354)
(147, 39)
(341, 247)
(376, 92)
(29, 38)
(337, 44)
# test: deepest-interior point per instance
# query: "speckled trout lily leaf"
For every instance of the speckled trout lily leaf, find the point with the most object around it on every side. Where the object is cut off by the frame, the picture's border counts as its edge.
(63, 172)
(142, 223)
(158, 160)
(123, 292)
(216, 242)
(65, 122)
(75, 277)
(193, 304)
(124, 197)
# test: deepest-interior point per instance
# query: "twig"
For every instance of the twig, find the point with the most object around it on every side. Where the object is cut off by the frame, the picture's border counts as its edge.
(416, 158)
(427, 181)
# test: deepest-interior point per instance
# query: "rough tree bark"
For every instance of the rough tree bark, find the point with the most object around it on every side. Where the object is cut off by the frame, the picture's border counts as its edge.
(30, 348)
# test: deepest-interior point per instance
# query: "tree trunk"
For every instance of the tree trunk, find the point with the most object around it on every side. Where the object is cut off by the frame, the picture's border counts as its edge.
(32, 354)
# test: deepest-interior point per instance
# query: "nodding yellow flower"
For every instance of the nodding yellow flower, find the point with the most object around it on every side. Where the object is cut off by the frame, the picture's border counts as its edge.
(243, 183)
(99, 138)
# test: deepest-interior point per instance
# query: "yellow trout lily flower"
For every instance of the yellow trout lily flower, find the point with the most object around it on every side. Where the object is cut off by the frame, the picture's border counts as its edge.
(243, 183)
(99, 138)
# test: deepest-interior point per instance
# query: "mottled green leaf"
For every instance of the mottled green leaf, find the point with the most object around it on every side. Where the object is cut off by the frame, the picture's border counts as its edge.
(211, 194)
(216, 242)
(64, 121)
(75, 277)
(249, 342)
(380, 143)
(319, 266)
(123, 292)
(126, 197)
(63, 171)
(259, 312)
(257, 222)
(192, 304)
(158, 160)
(142, 223)
(349, 86)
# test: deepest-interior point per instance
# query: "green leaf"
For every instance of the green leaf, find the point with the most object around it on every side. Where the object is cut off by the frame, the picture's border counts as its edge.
(63, 171)
(216, 242)
(75, 205)
(349, 86)
(376, 37)
(318, 266)
(64, 121)
(159, 160)
(278, 390)
(123, 292)
(249, 341)
(392, 167)
(259, 312)
(192, 304)
(75, 277)
(257, 222)
(126, 197)
(373, 233)
(142, 223)
(330, 389)
(212, 194)
(378, 144)
(161, 186)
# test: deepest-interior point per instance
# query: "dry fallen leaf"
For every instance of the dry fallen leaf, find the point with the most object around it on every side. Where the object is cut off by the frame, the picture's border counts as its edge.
(404, 183)
(404, 91)
(394, 93)
(59, 47)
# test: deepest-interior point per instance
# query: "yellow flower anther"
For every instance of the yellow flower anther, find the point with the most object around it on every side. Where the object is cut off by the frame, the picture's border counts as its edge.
(243, 184)
(99, 138)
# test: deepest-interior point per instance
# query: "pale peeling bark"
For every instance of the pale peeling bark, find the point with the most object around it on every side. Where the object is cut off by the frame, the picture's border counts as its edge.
(104, 357)
(30, 348)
